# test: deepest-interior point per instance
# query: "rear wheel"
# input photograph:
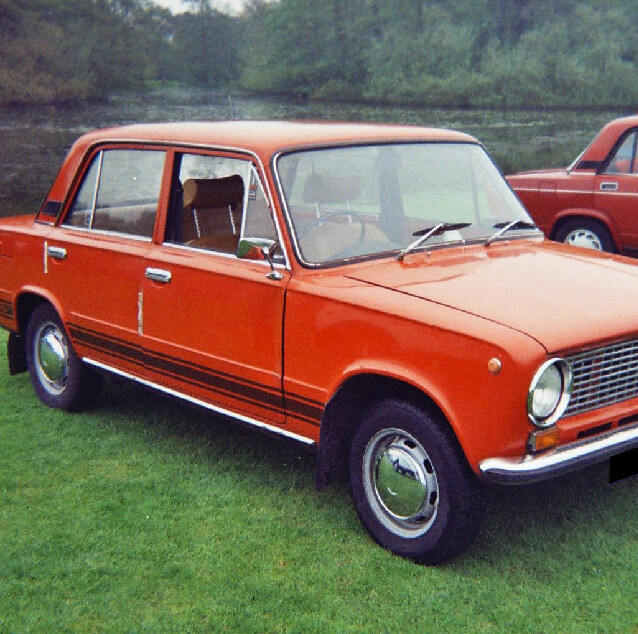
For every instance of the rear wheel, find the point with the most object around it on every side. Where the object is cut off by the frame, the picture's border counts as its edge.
(59, 377)
(411, 486)
(586, 233)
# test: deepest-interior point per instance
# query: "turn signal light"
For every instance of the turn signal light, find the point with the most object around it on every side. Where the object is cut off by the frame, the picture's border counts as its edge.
(541, 439)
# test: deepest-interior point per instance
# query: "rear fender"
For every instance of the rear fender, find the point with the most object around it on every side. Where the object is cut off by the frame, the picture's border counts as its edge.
(592, 214)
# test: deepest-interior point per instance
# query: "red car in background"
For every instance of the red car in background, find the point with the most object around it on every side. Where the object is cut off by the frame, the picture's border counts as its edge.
(594, 202)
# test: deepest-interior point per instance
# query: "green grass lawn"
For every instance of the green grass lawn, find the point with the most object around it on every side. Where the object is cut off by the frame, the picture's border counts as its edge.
(146, 515)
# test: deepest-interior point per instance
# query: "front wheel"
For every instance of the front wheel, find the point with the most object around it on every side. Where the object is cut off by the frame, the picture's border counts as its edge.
(59, 377)
(411, 486)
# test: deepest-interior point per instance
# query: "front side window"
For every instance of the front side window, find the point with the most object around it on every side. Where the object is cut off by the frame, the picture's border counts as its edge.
(357, 201)
(624, 159)
(119, 193)
(215, 201)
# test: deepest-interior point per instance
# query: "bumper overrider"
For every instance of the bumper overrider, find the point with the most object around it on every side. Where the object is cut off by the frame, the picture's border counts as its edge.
(561, 460)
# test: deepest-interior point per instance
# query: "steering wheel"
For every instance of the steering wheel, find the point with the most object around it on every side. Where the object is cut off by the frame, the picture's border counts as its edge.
(329, 216)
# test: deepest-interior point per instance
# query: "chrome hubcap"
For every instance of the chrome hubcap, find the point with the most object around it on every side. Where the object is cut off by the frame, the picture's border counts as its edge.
(584, 238)
(400, 482)
(52, 358)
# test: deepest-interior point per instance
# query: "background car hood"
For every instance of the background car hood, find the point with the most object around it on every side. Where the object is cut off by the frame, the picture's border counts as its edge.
(561, 296)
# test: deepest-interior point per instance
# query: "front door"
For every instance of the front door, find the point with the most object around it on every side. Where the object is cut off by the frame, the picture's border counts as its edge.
(212, 322)
(616, 192)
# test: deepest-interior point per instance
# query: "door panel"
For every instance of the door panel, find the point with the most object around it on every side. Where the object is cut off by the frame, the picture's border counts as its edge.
(616, 190)
(98, 283)
(617, 195)
(212, 322)
(95, 258)
(213, 328)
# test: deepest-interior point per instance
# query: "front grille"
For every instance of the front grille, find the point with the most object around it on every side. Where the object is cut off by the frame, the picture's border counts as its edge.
(603, 376)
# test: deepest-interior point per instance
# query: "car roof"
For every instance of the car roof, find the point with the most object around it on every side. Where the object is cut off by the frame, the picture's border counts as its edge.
(262, 138)
(600, 146)
(268, 137)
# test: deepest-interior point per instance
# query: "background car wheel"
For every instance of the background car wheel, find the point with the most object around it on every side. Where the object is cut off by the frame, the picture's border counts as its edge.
(59, 377)
(411, 486)
(587, 233)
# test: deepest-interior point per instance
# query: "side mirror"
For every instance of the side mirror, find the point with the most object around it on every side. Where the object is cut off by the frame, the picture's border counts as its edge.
(259, 249)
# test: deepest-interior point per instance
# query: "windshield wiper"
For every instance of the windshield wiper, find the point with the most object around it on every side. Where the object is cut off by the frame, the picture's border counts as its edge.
(426, 234)
(504, 227)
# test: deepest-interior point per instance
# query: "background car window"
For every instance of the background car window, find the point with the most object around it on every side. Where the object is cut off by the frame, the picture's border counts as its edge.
(120, 193)
(215, 201)
(624, 159)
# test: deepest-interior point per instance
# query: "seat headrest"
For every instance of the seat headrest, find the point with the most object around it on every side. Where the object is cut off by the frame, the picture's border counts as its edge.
(208, 193)
(331, 189)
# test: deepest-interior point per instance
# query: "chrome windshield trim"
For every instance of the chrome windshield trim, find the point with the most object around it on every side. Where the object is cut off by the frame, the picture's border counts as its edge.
(556, 462)
(219, 410)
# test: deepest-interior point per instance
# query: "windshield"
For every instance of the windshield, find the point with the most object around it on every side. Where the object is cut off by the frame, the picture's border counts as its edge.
(356, 201)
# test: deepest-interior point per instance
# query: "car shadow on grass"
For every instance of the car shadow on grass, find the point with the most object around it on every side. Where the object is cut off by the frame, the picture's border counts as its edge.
(577, 516)
(571, 516)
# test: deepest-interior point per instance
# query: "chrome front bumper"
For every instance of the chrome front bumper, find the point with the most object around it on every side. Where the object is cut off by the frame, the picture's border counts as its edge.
(563, 459)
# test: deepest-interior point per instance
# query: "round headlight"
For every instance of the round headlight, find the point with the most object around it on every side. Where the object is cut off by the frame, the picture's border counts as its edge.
(549, 392)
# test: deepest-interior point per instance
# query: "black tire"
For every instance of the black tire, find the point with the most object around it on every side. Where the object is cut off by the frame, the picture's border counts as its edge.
(59, 377)
(433, 512)
(587, 233)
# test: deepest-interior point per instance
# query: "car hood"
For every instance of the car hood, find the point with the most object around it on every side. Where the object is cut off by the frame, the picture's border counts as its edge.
(560, 296)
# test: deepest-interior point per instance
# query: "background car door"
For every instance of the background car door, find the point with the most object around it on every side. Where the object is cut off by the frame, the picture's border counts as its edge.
(616, 191)
(212, 322)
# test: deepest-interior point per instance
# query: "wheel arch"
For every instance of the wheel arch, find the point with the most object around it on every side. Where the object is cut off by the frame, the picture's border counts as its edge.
(585, 213)
(26, 302)
(344, 411)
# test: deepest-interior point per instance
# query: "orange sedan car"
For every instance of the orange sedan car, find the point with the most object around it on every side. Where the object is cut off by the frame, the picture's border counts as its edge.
(593, 203)
(377, 291)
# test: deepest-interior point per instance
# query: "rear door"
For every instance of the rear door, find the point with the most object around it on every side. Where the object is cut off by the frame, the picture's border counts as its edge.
(94, 259)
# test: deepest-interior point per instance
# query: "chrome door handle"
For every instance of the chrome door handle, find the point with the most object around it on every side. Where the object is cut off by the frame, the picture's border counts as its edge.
(158, 275)
(58, 253)
(608, 186)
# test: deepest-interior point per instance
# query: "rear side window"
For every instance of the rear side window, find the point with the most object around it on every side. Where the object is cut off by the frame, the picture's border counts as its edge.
(119, 193)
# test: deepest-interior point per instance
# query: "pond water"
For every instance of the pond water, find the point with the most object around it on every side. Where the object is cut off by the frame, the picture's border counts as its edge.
(34, 140)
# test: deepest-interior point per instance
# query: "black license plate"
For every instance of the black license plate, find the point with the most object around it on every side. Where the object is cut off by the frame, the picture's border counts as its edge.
(624, 465)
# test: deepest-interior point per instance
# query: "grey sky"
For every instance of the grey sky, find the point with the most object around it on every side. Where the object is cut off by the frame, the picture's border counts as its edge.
(177, 6)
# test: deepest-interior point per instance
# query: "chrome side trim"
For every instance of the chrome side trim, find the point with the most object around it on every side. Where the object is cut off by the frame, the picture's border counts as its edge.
(140, 313)
(196, 401)
(556, 462)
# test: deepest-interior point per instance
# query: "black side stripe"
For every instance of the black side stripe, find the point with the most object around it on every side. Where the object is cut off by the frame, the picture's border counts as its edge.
(6, 308)
(200, 376)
